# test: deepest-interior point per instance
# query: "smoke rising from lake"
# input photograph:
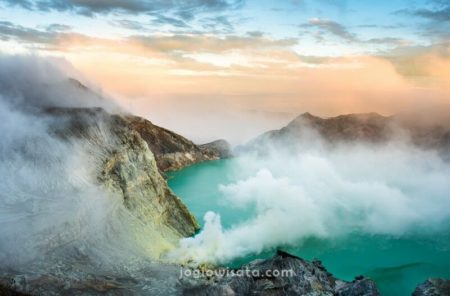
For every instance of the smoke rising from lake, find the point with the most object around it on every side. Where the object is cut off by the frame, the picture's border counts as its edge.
(392, 189)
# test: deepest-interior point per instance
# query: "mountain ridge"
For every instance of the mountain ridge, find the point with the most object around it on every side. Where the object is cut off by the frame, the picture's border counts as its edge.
(358, 127)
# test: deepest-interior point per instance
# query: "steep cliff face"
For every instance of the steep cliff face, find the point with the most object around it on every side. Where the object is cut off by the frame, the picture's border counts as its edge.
(114, 244)
(129, 169)
(171, 150)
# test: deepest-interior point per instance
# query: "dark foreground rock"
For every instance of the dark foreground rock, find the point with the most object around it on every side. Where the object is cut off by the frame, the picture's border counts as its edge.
(433, 287)
(296, 277)
(6, 290)
(78, 279)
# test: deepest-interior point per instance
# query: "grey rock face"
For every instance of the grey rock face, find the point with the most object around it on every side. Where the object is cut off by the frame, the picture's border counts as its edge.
(296, 277)
(154, 279)
(359, 287)
(433, 287)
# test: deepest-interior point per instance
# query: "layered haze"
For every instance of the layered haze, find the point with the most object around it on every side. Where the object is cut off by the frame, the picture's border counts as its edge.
(243, 66)
(266, 94)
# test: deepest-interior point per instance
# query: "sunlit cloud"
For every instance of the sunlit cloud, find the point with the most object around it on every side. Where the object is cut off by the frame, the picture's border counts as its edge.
(236, 56)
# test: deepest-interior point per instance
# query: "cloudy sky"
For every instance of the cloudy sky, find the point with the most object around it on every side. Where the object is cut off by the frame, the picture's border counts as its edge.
(232, 68)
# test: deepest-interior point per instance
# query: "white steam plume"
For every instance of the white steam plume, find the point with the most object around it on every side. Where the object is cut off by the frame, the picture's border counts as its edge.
(391, 189)
(50, 200)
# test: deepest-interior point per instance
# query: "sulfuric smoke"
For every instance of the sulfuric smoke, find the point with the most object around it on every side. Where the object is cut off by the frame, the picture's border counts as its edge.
(51, 205)
(393, 188)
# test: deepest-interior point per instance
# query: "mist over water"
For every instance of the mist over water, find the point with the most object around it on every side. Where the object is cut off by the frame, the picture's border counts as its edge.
(393, 189)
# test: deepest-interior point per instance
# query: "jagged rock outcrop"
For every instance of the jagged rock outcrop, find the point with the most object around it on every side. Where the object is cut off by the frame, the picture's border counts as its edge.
(127, 167)
(173, 151)
(295, 277)
(433, 287)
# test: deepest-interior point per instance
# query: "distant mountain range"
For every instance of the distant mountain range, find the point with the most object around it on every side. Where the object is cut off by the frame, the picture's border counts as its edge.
(365, 127)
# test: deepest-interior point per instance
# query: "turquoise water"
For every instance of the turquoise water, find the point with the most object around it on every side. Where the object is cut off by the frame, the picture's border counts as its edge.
(397, 264)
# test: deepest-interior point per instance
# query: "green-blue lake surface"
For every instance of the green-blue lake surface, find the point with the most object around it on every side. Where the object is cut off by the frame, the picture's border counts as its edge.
(397, 264)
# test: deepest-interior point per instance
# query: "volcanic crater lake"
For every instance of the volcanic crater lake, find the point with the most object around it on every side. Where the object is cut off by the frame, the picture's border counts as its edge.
(396, 263)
